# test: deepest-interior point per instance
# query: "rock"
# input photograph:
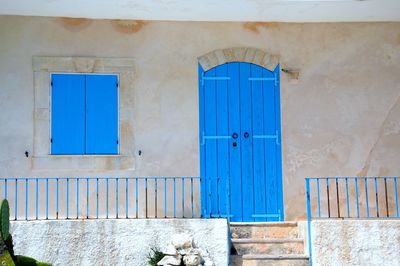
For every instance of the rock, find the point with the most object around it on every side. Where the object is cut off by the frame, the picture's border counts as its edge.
(170, 260)
(208, 262)
(192, 260)
(182, 241)
(170, 250)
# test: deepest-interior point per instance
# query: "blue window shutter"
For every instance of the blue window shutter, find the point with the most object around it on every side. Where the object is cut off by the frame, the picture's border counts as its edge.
(101, 114)
(68, 114)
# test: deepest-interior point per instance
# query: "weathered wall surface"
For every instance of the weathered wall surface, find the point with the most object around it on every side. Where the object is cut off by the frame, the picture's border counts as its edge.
(341, 116)
(356, 242)
(114, 242)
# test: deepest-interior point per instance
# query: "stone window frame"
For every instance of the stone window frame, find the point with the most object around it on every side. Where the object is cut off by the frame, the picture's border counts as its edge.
(43, 67)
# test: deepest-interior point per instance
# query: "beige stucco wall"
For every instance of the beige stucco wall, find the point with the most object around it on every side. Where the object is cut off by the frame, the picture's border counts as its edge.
(340, 117)
(355, 242)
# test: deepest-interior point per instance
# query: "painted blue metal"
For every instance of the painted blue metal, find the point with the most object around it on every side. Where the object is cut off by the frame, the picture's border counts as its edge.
(5, 189)
(37, 199)
(77, 198)
(67, 198)
(165, 197)
(107, 198)
(357, 203)
(87, 198)
(239, 116)
(68, 114)
(126, 198)
(101, 114)
(396, 196)
(97, 198)
(347, 198)
(16, 199)
(26, 199)
(116, 198)
(47, 199)
(308, 200)
(104, 190)
(366, 196)
(183, 197)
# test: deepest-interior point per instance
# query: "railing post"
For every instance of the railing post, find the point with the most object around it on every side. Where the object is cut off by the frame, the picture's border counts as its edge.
(309, 218)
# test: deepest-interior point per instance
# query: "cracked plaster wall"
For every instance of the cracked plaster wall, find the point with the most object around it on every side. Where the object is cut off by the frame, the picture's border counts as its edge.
(340, 117)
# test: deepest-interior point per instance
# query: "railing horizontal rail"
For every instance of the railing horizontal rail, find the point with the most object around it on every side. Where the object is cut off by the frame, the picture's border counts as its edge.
(38, 198)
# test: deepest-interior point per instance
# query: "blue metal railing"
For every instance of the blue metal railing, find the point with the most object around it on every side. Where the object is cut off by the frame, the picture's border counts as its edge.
(351, 198)
(101, 197)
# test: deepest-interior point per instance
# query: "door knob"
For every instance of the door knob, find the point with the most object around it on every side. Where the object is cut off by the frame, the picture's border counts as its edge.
(246, 135)
(235, 136)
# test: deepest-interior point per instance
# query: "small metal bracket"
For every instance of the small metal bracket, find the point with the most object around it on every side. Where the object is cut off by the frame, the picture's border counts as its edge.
(276, 137)
(204, 138)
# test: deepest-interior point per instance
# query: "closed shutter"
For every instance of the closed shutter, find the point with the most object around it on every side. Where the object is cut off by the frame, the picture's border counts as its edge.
(101, 114)
(68, 114)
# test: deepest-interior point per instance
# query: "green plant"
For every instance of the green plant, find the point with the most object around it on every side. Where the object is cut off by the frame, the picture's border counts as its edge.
(7, 242)
(155, 256)
(5, 220)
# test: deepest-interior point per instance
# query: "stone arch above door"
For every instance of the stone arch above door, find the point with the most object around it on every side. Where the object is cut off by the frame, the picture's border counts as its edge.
(238, 54)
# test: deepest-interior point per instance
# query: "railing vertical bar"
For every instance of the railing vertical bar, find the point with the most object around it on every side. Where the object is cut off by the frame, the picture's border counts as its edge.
(87, 198)
(16, 199)
(57, 197)
(107, 198)
(376, 197)
(155, 200)
(165, 197)
(217, 189)
(309, 215)
(47, 198)
(116, 198)
(337, 198)
(366, 195)
(67, 196)
(126, 198)
(37, 198)
(183, 197)
(357, 203)
(386, 197)
(137, 197)
(327, 194)
(145, 197)
(347, 198)
(174, 197)
(26, 199)
(191, 196)
(396, 197)
(77, 198)
(97, 198)
(318, 199)
(5, 188)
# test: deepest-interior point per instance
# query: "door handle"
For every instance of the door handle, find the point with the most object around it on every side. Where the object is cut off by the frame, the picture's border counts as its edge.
(246, 135)
(235, 135)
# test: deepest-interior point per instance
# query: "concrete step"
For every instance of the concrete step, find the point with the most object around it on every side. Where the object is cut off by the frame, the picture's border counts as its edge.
(273, 246)
(264, 230)
(269, 260)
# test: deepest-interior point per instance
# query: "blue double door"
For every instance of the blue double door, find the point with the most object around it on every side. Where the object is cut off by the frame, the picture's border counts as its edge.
(240, 151)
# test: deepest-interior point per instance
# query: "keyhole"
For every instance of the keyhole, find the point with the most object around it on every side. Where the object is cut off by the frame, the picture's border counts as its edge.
(234, 144)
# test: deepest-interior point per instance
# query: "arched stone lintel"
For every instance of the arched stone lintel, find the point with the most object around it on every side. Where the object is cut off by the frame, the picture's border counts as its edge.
(238, 54)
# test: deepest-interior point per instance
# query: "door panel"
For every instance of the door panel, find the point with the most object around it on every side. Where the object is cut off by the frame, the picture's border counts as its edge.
(239, 143)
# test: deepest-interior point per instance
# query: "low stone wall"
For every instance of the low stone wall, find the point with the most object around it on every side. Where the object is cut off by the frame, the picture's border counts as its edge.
(355, 242)
(114, 242)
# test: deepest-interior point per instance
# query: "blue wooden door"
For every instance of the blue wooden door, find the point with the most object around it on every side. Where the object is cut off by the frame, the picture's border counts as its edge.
(240, 154)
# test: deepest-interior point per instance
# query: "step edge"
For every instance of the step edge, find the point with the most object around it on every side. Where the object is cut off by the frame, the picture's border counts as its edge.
(282, 224)
(272, 257)
(267, 240)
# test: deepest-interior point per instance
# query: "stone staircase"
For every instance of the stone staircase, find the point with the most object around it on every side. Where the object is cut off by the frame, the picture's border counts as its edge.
(269, 243)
